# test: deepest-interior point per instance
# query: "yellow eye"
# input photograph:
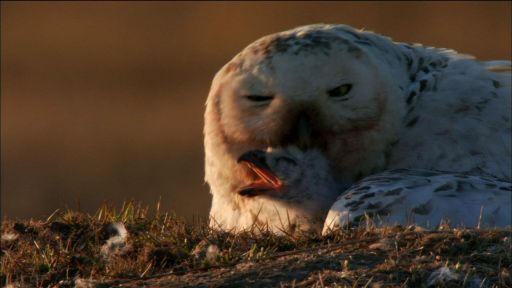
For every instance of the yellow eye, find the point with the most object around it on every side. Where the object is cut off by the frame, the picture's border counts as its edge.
(340, 91)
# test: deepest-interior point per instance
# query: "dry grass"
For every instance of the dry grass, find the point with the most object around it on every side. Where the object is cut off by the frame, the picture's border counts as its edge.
(68, 250)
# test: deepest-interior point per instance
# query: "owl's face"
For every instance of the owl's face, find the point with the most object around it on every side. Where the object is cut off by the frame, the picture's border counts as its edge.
(301, 99)
(314, 90)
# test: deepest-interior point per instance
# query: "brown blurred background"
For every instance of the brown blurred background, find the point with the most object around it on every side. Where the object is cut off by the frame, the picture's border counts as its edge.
(103, 101)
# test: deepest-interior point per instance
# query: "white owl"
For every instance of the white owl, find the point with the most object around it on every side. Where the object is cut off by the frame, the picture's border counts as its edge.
(368, 104)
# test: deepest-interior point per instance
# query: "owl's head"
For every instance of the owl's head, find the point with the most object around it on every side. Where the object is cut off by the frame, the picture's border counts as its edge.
(302, 87)
(319, 87)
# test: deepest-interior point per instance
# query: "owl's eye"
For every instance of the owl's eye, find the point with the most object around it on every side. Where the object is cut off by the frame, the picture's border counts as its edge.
(259, 98)
(288, 160)
(340, 91)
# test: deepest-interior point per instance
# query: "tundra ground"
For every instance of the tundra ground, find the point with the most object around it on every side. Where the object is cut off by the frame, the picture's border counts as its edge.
(74, 249)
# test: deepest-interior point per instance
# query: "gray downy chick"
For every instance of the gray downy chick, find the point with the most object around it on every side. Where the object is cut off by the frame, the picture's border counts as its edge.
(295, 188)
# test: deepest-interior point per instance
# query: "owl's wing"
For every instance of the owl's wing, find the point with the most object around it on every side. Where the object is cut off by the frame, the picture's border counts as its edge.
(424, 198)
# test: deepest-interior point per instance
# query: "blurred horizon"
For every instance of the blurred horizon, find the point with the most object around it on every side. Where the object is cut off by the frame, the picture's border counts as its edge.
(103, 101)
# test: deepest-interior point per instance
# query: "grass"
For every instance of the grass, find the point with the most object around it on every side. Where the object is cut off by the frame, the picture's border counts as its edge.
(69, 250)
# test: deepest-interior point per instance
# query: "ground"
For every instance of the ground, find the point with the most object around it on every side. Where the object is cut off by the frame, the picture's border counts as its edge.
(71, 249)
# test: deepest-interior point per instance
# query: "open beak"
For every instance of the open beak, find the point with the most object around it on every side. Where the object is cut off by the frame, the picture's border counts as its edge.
(267, 182)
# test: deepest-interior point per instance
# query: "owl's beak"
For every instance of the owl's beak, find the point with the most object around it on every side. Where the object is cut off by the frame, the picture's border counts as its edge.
(267, 182)
(303, 130)
(300, 134)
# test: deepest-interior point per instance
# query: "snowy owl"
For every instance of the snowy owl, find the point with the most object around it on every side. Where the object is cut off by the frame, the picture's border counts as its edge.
(302, 183)
(365, 102)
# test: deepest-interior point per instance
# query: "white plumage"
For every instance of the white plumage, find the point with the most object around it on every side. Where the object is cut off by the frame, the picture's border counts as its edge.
(368, 104)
